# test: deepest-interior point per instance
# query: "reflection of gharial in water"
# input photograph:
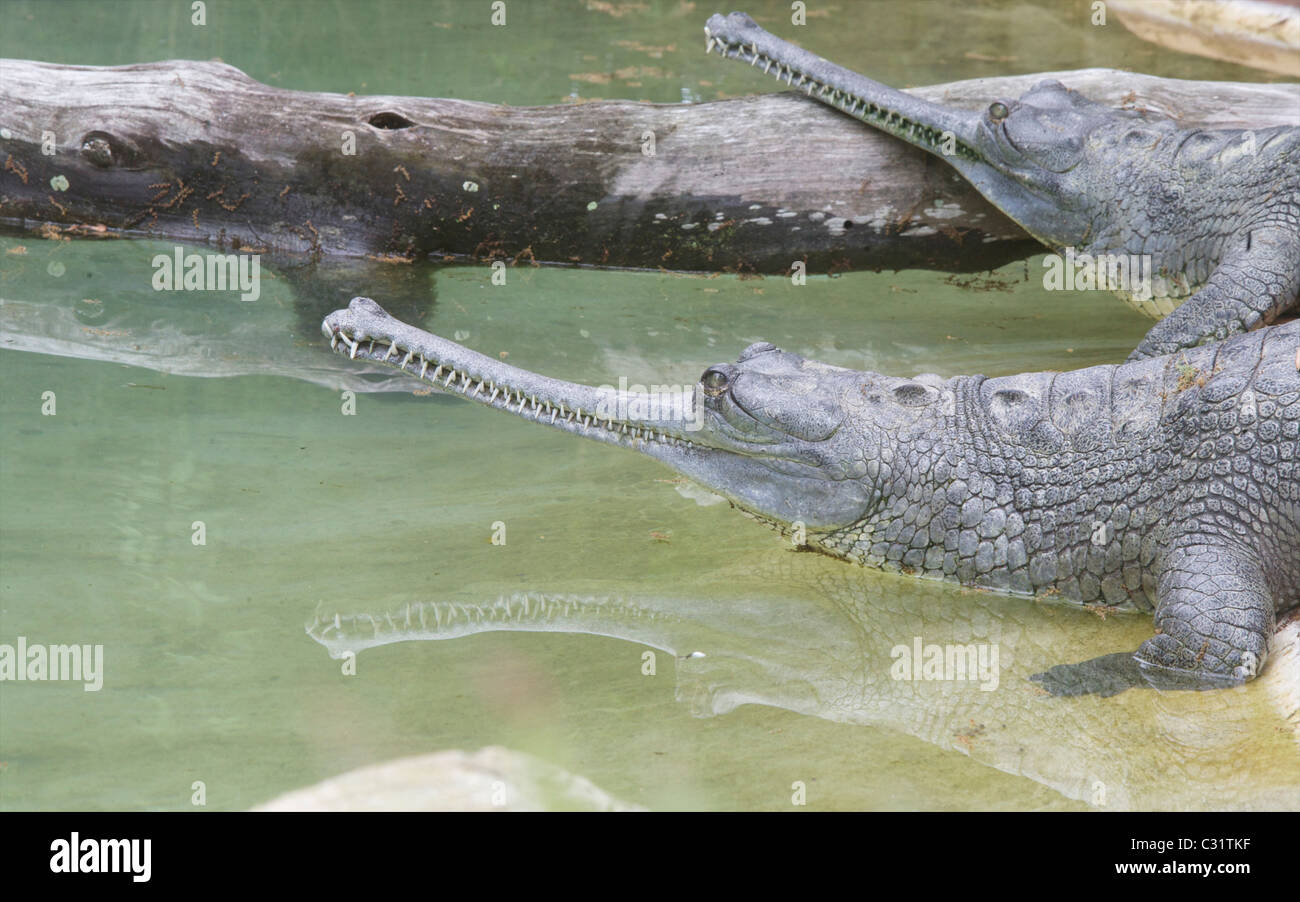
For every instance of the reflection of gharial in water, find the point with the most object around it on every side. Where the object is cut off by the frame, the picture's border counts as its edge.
(803, 633)
(197, 333)
(1172, 482)
(1217, 211)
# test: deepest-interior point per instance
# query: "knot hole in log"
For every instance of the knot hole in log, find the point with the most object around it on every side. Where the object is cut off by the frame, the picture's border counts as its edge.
(390, 120)
(105, 151)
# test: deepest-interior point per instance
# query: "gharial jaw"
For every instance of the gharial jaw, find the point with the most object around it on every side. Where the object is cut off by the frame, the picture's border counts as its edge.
(365, 330)
(701, 433)
(737, 36)
(974, 144)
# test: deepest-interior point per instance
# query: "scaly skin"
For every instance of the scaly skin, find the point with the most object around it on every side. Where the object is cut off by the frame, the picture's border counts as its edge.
(1217, 210)
(1170, 484)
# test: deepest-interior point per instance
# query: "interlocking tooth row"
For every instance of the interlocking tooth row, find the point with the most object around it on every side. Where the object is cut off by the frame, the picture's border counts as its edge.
(540, 407)
(839, 99)
(509, 608)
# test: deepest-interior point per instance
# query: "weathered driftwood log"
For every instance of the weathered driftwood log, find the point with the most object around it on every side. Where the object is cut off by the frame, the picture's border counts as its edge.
(200, 152)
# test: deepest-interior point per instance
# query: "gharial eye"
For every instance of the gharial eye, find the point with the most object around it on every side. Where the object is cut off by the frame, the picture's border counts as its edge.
(998, 111)
(715, 382)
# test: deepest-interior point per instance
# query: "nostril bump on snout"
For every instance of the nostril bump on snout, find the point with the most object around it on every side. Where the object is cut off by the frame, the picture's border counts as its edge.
(758, 347)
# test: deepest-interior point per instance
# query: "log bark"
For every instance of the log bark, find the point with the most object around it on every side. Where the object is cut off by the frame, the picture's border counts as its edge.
(199, 152)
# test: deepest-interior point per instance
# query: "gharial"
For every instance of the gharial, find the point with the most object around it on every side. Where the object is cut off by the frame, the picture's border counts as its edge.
(1216, 210)
(1169, 484)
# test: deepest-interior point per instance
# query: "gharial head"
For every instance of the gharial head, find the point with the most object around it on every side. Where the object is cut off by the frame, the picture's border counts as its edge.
(786, 439)
(1037, 157)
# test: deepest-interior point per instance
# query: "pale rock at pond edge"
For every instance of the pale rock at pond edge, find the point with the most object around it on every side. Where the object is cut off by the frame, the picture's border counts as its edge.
(491, 779)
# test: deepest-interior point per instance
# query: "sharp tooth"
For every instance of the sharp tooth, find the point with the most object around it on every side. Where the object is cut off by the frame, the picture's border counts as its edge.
(479, 387)
(789, 76)
(424, 365)
(450, 376)
(767, 65)
(709, 47)
(372, 346)
(754, 61)
(586, 422)
(410, 355)
(437, 371)
(495, 392)
(464, 380)
(392, 346)
(569, 418)
(334, 341)
(522, 402)
(802, 79)
(553, 413)
(353, 353)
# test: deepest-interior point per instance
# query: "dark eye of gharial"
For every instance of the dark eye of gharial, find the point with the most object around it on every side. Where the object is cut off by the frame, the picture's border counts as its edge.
(998, 111)
(715, 382)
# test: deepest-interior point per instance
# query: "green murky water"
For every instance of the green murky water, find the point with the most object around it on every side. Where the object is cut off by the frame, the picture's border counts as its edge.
(210, 672)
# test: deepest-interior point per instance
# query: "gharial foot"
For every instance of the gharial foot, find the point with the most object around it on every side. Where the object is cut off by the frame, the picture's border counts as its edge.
(1249, 288)
(1214, 619)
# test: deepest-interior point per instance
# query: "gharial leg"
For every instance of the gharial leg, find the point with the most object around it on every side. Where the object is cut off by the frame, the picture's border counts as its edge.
(1214, 620)
(1248, 288)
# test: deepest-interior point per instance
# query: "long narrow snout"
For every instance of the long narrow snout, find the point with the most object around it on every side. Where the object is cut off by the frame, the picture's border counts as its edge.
(938, 129)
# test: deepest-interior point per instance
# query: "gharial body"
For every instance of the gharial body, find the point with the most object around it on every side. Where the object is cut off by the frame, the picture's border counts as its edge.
(1169, 484)
(1217, 211)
